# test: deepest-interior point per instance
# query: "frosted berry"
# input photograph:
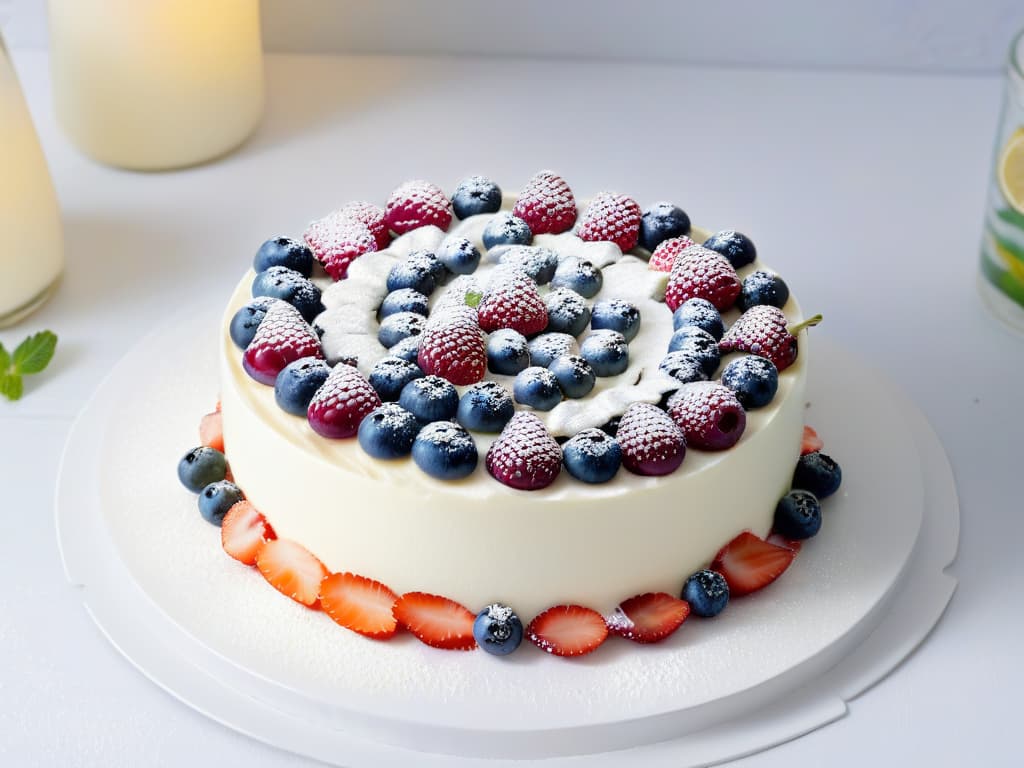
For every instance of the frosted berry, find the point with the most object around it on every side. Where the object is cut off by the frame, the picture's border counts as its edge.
(703, 274)
(506, 229)
(612, 217)
(508, 352)
(707, 592)
(498, 630)
(337, 240)
(288, 285)
(592, 456)
(538, 388)
(476, 195)
(430, 398)
(651, 443)
(298, 382)
(616, 315)
(818, 473)
(700, 313)
(762, 330)
(683, 367)
(525, 456)
(698, 344)
(453, 347)
(373, 217)
(539, 263)
(664, 256)
(281, 338)
(606, 351)
(549, 346)
(709, 414)
(578, 275)
(755, 380)
(512, 301)
(417, 204)
(567, 311)
(401, 325)
(798, 515)
(445, 450)
(388, 432)
(660, 222)
(575, 376)
(735, 246)
(247, 319)
(762, 287)
(546, 204)
(284, 252)
(340, 405)
(390, 375)
(459, 255)
(200, 467)
(404, 300)
(485, 407)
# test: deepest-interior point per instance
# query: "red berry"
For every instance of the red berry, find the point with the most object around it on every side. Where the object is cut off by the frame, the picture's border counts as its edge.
(665, 253)
(781, 541)
(700, 273)
(373, 217)
(512, 301)
(360, 604)
(337, 240)
(749, 563)
(291, 569)
(211, 431)
(416, 204)
(811, 442)
(282, 337)
(761, 330)
(525, 456)
(453, 346)
(648, 618)
(651, 443)
(612, 217)
(341, 403)
(568, 630)
(709, 414)
(546, 204)
(243, 530)
(436, 621)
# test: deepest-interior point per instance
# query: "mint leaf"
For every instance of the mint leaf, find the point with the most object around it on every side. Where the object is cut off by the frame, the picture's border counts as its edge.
(473, 299)
(10, 386)
(35, 353)
(5, 360)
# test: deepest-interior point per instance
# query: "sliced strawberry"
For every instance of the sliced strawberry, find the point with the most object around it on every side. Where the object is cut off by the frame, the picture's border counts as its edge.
(781, 541)
(568, 630)
(360, 604)
(648, 618)
(291, 569)
(811, 442)
(750, 563)
(243, 530)
(436, 621)
(211, 431)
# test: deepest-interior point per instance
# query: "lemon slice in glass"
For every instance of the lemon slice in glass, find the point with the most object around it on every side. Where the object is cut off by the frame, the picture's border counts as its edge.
(1011, 172)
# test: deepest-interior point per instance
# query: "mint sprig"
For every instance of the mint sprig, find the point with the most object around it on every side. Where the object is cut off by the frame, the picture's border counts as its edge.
(30, 357)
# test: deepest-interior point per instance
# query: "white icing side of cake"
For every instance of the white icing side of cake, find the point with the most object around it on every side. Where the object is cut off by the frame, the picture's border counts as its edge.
(475, 540)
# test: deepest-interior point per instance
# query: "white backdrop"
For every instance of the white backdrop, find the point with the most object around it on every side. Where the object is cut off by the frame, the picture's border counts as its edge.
(968, 36)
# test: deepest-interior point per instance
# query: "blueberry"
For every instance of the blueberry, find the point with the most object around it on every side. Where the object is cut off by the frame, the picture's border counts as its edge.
(506, 229)
(762, 287)
(402, 325)
(818, 473)
(445, 450)
(284, 252)
(498, 630)
(755, 380)
(574, 375)
(459, 255)
(404, 300)
(429, 261)
(430, 398)
(247, 319)
(578, 275)
(475, 195)
(567, 312)
(592, 456)
(508, 352)
(390, 374)
(298, 382)
(200, 467)
(707, 592)
(735, 246)
(539, 263)
(699, 313)
(288, 285)
(407, 349)
(548, 346)
(538, 388)
(661, 221)
(798, 515)
(699, 344)
(485, 407)
(388, 432)
(683, 367)
(616, 315)
(217, 498)
(417, 274)
(606, 351)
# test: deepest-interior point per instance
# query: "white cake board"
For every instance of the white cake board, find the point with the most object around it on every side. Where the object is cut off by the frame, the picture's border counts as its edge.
(858, 599)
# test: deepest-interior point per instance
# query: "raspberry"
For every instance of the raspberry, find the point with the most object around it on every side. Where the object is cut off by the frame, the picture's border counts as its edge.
(701, 273)
(337, 240)
(665, 254)
(612, 217)
(651, 442)
(709, 414)
(546, 204)
(525, 456)
(416, 204)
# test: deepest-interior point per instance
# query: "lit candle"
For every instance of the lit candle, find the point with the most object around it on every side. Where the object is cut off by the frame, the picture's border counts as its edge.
(156, 84)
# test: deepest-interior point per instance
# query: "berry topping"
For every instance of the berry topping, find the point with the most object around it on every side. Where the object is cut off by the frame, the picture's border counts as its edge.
(702, 274)
(648, 618)
(606, 351)
(284, 252)
(390, 375)
(416, 204)
(539, 263)
(459, 255)
(798, 515)
(652, 444)
(485, 407)
(538, 388)
(592, 456)
(683, 367)
(525, 456)
(762, 287)
(616, 315)
(401, 325)
(498, 630)
(360, 604)
(611, 217)
(453, 346)
(430, 398)
(568, 630)
(709, 414)
(242, 531)
(749, 563)
(574, 375)
(664, 256)
(508, 352)
(337, 240)
(699, 313)
(388, 432)
(418, 271)
(818, 473)
(217, 498)
(247, 319)
(200, 467)
(811, 442)
(660, 222)
(407, 349)
(549, 346)
(506, 229)
(578, 275)
(445, 450)
(762, 330)
(373, 217)
(283, 337)
(512, 301)
(781, 541)
(291, 569)
(343, 401)
(436, 621)
(474, 196)
(288, 285)
(298, 382)
(707, 592)
(736, 247)
(546, 204)
(211, 431)
(404, 300)
(754, 379)
(698, 344)
(567, 312)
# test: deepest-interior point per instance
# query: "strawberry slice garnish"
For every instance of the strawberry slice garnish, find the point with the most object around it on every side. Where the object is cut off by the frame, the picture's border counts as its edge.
(360, 604)
(436, 621)
(291, 569)
(568, 630)
(781, 541)
(750, 563)
(811, 441)
(243, 530)
(211, 431)
(648, 618)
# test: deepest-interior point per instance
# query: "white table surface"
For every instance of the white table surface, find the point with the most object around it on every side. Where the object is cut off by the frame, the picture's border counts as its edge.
(865, 191)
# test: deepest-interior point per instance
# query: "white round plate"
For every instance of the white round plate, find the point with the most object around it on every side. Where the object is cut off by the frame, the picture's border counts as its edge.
(856, 601)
